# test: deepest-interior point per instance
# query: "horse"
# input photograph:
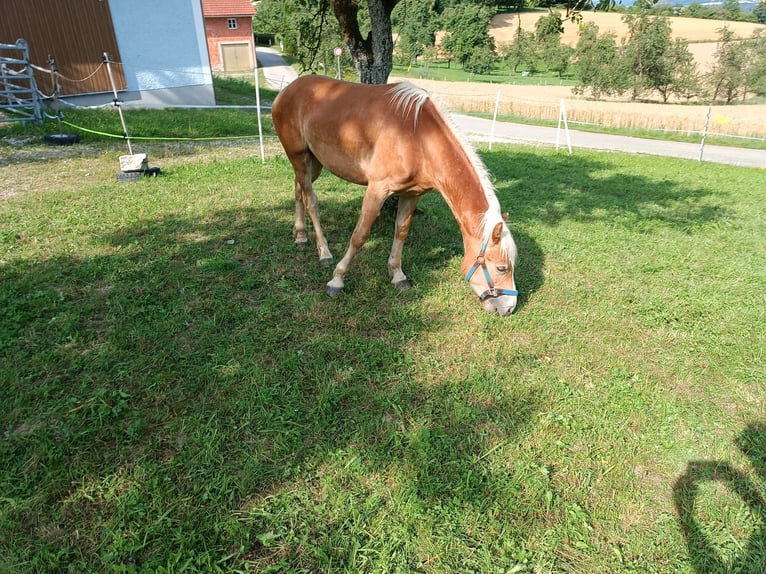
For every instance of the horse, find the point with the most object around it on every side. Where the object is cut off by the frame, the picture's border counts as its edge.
(396, 140)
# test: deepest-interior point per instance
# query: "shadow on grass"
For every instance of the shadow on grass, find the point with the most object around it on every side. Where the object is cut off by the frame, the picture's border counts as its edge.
(199, 365)
(707, 554)
(544, 188)
(193, 397)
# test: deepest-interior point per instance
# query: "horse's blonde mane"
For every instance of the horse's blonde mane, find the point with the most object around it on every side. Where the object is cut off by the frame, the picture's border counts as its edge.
(408, 97)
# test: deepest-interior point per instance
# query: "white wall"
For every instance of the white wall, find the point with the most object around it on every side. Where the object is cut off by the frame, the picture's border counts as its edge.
(163, 51)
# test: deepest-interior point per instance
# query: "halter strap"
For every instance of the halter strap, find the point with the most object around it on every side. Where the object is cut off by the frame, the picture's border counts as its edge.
(491, 291)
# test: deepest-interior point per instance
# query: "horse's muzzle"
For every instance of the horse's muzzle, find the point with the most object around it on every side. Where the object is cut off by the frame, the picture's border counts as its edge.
(502, 304)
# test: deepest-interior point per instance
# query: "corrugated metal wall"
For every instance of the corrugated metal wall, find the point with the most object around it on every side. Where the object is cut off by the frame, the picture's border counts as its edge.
(75, 32)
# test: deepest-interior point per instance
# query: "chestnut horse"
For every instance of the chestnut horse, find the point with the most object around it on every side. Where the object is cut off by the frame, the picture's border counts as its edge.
(395, 140)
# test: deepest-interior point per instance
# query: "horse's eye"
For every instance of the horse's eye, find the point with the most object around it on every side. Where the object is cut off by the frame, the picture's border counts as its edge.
(502, 268)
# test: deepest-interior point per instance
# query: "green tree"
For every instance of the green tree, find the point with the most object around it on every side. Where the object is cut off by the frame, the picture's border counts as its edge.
(467, 27)
(549, 26)
(304, 29)
(307, 30)
(647, 43)
(269, 18)
(548, 30)
(416, 23)
(481, 61)
(683, 79)
(694, 10)
(523, 50)
(598, 66)
(759, 12)
(557, 56)
(727, 77)
(755, 64)
(732, 10)
(645, 6)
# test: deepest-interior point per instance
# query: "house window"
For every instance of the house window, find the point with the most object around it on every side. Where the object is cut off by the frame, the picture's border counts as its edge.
(232, 23)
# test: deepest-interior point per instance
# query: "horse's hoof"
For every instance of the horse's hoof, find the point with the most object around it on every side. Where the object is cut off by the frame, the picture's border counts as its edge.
(301, 245)
(326, 261)
(334, 291)
(403, 285)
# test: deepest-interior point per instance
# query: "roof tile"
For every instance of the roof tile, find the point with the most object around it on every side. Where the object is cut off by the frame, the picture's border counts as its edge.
(227, 8)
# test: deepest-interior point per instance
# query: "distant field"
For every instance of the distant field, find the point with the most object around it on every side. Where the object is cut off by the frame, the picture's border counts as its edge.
(543, 102)
(701, 34)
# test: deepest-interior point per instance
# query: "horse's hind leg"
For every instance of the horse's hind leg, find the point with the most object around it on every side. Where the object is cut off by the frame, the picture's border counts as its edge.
(407, 204)
(307, 170)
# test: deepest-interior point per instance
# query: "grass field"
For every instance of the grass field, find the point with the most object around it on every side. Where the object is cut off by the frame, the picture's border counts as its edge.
(179, 395)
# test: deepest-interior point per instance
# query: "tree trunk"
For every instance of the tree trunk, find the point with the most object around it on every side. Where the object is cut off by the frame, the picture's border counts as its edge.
(373, 55)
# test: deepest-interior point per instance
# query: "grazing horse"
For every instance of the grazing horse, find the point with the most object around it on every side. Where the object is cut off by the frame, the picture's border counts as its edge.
(395, 140)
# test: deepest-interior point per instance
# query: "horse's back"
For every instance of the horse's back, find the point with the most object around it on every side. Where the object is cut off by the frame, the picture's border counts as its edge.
(324, 94)
(320, 105)
(354, 130)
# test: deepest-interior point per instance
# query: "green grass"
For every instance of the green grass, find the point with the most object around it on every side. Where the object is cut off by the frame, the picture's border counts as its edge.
(652, 134)
(156, 125)
(501, 74)
(240, 91)
(179, 395)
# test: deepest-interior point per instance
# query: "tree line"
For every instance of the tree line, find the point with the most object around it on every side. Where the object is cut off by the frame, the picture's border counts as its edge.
(727, 10)
(648, 62)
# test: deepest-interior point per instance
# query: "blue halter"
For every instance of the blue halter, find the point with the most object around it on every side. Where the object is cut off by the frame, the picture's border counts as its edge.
(491, 291)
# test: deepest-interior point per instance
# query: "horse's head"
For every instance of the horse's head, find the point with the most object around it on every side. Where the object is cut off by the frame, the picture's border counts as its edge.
(496, 258)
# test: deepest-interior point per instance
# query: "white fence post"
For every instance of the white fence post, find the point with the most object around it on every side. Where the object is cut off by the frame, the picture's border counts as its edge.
(563, 117)
(258, 101)
(494, 121)
(704, 133)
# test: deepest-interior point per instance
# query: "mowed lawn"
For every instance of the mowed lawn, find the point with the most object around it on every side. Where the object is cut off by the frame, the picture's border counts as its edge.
(178, 394)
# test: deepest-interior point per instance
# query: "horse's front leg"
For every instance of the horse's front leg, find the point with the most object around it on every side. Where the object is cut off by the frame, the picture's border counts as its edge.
(371, 204)
(407, 204)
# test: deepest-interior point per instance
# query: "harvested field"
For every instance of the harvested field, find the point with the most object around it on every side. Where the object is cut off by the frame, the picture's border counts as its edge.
(702, 35)
(543, 102)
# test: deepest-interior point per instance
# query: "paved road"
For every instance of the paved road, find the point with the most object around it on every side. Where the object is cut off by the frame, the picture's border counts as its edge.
(480, 129)
(278, 74)
(276, 71)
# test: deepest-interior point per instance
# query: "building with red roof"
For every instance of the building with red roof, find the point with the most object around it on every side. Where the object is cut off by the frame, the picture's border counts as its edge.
(229, 31)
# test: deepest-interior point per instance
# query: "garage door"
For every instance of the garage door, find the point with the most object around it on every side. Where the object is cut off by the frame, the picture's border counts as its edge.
(236, 57)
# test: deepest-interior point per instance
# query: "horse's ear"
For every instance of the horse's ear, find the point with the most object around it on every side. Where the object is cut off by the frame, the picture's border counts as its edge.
(505, 217)
(497, 233)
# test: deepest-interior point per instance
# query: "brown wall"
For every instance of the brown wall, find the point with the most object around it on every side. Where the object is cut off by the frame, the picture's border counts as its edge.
(75, 32)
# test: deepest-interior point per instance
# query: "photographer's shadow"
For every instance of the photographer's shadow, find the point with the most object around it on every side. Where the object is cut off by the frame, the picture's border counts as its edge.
(704, 555)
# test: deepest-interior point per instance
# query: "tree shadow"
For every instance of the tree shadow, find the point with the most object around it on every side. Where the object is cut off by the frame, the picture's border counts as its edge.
(704, 554)
(197, 365)
(543, 189)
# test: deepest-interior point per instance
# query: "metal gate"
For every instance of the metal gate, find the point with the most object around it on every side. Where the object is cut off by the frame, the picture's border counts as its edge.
(19, 99)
